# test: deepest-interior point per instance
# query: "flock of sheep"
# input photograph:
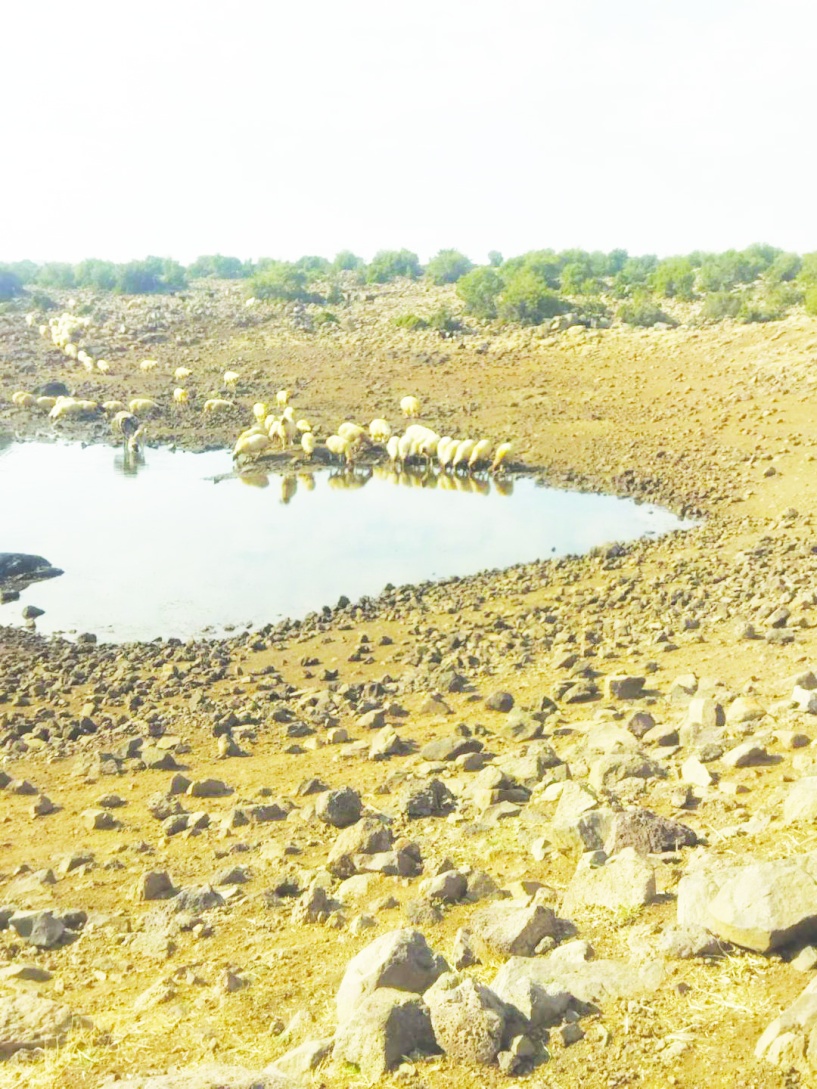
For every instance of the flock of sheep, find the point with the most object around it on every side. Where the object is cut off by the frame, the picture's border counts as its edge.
(417, 446)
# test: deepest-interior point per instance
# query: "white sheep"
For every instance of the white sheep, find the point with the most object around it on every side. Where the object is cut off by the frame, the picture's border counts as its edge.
(181, 373)
(480, 453)
(380, 431)
(462, 453)
(230, 379)
(352, 431)
(216, 404)
(71, 406)
(341, 447)
(23, 399)
(500, 454)
(113, 406)
(282, 398)
(303, 426)
(308, 443)
(103, 366)
(446, 448)
(71, 350)
(143, 406)
(393, 448)
(180, 396)
(251, 445)
(30, 319)
(45, 404)
(260, 410)
(410, 406)
(149, 365)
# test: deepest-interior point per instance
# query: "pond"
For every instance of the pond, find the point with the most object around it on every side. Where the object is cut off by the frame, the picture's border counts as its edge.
(164, 547)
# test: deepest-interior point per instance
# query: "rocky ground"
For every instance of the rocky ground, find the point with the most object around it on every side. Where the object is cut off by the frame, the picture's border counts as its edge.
(547, 826)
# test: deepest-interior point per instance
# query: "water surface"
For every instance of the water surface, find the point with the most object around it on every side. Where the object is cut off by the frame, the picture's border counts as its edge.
(160, 549)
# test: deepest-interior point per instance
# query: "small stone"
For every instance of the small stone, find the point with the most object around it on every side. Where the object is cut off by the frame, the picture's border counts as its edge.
(339, 808)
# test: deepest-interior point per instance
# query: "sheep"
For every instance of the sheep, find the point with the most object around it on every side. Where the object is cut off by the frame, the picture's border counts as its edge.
(149, 365)
(446, 448)
(393, 448)
(410, 406)
(380, 431)
(180, 396)
(303, 426)
(480, 453)
(142, 406)
(71, 350)
(216, 404)
(308, 443)
(181, 373)
(341, 447)
(260, 411)
(103, 366)
(230, 379)
(125, 424)
(404, 445)
(251, 445)
(462, 453)
(30, 319)
(289, 486)
(23, 399)
(500, 454)
(113, 406)
(282, 398)
(44, 330)
(45, 404)
(71, 406)
(352, 431)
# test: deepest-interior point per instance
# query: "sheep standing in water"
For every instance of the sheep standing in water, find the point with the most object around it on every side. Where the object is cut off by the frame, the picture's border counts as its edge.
(127, 425)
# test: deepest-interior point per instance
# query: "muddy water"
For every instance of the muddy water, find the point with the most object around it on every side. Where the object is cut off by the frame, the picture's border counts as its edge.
(158, 547)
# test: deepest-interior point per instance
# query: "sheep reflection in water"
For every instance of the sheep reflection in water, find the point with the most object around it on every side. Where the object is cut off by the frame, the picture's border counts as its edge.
(254, 480)
(289, 486)
(350, 479)
(128, 461)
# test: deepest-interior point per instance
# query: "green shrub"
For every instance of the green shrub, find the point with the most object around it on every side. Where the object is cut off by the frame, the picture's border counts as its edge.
(218, 267)
(721, 271)
(154, 275)
(100, 275)
(642, 310)
(444, 322)
(389, 264)
(673, 277)
(495, 258)
(326, 317)
(720, 305)
(346, 261)
(784, 268)
(544, 264)
(56, 274)
(527, 298)
(810, 301)
(279, 280)
(10, 283)
(314, 267)
(765, 306)
(634, 273)
(578, 279)
(808, 269)
(448, 267)
(410, 321)
(479, 289)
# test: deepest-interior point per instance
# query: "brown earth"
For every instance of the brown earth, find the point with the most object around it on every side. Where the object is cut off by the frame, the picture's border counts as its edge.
(710, 420)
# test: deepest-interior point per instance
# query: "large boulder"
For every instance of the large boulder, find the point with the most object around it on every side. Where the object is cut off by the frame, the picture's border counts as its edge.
(624, 883)
(511, 928)
(541, 988)
(468, 1019)
(790, 1041)
(760, 906)
(28, 1023)
(647, 833)
(400, 960)
(369, 836)
(388, 1025)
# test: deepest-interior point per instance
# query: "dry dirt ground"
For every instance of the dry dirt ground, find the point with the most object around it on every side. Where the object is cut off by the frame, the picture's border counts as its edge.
(716, 421)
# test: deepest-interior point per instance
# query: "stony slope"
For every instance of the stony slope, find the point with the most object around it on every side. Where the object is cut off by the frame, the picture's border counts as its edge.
(719, 623)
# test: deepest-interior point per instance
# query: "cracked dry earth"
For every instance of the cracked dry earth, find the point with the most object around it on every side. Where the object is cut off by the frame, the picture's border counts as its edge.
(181, 890)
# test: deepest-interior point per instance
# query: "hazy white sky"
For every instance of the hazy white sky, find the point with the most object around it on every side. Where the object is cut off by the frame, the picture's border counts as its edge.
(261, 127)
